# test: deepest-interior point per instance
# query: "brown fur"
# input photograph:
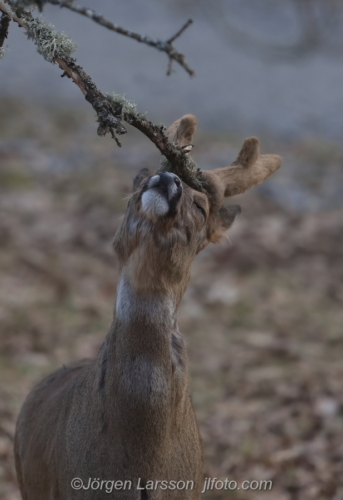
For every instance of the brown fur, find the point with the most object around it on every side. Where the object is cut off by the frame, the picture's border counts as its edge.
(128, 414)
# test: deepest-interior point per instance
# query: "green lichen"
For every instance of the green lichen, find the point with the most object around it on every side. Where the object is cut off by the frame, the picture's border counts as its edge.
(127, 107)
(186, 164)
(49, 42)
(186, 169)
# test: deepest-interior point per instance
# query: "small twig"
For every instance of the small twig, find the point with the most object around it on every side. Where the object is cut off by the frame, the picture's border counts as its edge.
(181, 30)
(111, 110)
(166, 46)
(4, 25)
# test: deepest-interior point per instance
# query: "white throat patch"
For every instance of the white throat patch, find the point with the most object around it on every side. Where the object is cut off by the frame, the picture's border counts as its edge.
(130, 306)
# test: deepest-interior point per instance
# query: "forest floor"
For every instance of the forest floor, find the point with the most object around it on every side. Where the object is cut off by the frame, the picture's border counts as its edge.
(262, 315)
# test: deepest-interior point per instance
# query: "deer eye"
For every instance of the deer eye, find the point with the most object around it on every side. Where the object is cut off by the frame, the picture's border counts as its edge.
(200, 208)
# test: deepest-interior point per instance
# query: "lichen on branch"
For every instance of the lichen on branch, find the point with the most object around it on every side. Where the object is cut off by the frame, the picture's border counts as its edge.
(49, 42)
(4, 25)
(127, 106)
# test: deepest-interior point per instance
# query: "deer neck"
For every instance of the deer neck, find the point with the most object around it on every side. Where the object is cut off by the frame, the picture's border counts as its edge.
(144, 353)
(154, 308)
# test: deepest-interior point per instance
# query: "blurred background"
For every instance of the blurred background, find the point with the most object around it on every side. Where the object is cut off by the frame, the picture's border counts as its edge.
(263, 313)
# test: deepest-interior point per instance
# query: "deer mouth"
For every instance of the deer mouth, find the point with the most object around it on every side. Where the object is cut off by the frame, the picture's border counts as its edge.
(161, 195)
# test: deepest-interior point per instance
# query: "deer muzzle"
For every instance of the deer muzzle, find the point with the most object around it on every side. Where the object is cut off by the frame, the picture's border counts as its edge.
(161, 195)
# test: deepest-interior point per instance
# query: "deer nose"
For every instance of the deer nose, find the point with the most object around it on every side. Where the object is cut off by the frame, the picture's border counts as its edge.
(168, 183)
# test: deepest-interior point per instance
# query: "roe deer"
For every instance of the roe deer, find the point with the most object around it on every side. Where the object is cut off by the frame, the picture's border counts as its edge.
(127, 415)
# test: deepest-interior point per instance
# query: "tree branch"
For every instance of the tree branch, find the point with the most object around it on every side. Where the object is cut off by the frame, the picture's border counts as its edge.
(4, 25)
(112, 109)
(166, 46)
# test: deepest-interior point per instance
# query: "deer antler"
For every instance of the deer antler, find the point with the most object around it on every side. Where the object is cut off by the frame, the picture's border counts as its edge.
(249, 169)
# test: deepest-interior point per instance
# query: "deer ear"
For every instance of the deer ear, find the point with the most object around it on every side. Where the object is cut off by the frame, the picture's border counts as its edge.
(250, 168)
(224, 220)
(137, 181)
(182, 131)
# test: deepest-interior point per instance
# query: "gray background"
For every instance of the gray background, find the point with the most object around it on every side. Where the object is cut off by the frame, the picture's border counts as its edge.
(232, 90)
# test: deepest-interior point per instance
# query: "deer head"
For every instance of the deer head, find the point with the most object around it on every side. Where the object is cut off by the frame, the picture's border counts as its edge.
(167, 222)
